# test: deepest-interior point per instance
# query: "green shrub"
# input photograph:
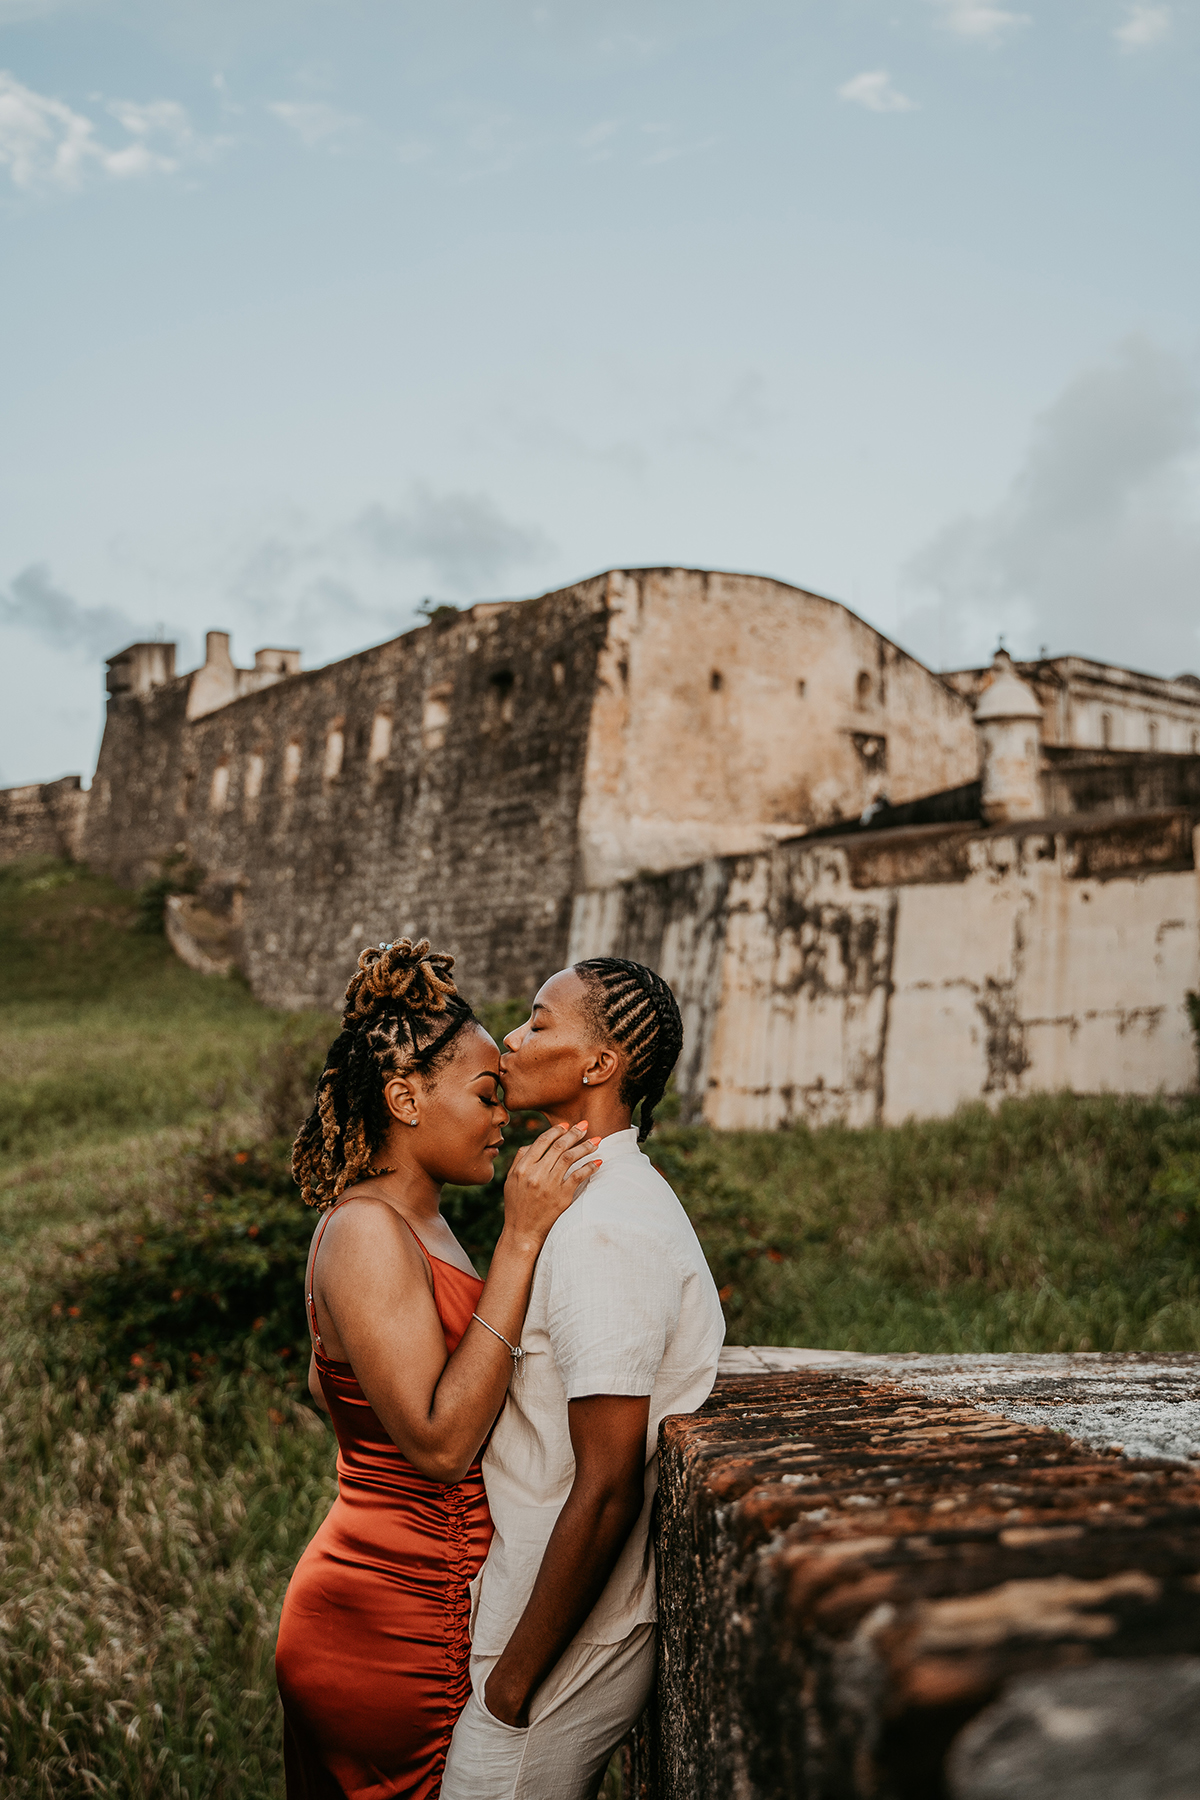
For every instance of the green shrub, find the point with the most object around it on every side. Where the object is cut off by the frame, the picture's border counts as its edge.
(176, 876)
(1175, 1201)
(214, 1283)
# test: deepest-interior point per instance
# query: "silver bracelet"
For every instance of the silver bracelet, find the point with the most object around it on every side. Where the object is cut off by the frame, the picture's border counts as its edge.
(515, 1350)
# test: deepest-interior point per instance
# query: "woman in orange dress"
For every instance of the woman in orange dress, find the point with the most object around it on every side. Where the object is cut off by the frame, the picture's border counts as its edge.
(411, 1358)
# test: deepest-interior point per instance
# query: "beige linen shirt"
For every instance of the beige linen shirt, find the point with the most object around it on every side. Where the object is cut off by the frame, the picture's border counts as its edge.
(622, 1303)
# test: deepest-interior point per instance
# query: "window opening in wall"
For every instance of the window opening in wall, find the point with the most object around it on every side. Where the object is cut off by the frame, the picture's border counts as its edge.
(381, 738)
(254, 774)
(220, 787)
(802, 688)
(863, 690)
(502, 683)
(559, 672)
(335, 749)
(1106, 730)
(435, 715)
(291, 764)
(1152, 733)
(716, 681)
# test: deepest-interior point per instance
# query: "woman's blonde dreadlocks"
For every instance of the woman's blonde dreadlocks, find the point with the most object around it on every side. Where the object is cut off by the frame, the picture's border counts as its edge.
(401, 1016)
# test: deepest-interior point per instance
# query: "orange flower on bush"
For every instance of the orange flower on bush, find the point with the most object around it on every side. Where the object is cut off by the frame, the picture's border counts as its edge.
(242, 1156)
(137, 1361)
(252, 1231)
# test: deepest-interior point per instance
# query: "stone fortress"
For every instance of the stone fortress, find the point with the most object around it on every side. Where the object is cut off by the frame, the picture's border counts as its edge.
(878, 890)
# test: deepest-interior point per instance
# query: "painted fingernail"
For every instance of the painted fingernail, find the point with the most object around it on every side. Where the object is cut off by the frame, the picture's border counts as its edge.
(594, 1142)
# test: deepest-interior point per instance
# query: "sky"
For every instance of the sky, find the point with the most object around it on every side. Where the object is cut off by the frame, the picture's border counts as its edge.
(314, 310)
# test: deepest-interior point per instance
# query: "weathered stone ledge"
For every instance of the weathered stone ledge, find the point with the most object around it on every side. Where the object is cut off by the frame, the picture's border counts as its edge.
(859, 1556)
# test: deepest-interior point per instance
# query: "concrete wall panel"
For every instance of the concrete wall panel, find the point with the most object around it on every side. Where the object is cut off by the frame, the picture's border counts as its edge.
(1009, 970)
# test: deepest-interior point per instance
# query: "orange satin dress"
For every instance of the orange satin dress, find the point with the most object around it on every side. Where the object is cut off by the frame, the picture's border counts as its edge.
(372, 1658)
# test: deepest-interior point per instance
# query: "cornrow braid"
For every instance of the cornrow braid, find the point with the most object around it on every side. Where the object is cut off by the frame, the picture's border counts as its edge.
(402, 1014)
(636, 1010)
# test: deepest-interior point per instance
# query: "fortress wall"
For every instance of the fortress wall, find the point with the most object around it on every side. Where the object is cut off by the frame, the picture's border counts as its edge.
(467, 779)
(929, 1578)
(905, 972)
(428, 786)
(732, 706)
(138, 806)
(46, 819)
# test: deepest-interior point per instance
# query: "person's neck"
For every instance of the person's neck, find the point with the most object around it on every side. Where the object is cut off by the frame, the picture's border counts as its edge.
(603, 1111)
(405, 1184)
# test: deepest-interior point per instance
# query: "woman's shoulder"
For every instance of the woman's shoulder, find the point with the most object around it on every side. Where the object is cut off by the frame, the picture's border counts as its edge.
(365, 1219)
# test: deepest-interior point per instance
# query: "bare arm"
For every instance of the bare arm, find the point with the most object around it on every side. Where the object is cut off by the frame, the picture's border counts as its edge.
(608, 1436)
(374, 1285)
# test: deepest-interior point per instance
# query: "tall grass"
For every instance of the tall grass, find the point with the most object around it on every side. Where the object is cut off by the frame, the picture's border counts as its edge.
(1054, 1223)
(145, 1541)
(147, 1536)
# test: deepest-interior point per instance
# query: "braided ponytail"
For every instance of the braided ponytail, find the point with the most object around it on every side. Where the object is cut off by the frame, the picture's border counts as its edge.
(636, 1010)
(402, 1014)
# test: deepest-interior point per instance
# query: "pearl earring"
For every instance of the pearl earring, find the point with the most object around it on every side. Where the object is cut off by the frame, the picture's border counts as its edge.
(585, 1081)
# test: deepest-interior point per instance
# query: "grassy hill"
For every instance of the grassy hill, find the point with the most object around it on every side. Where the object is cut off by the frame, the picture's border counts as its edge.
(147, 1532)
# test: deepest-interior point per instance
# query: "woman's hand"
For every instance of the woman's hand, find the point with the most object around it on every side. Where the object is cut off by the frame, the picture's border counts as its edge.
(544, 1179)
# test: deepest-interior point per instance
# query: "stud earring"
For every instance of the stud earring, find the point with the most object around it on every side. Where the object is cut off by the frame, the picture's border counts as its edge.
(412, 1121)
(585, 1081)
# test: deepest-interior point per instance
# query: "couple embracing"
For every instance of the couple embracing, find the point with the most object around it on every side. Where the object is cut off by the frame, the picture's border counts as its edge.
(475, 1617)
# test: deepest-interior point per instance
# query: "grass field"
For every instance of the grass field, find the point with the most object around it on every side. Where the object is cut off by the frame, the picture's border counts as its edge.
(146, 1536)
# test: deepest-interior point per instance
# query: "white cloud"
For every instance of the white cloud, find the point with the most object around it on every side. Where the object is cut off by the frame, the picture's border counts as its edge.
(464, 539)
(46, 143)
(1096, 547)
(1145, 25)
(317, 124)
(978, 19)
(332, 587)
(873, 89)
(34, 604)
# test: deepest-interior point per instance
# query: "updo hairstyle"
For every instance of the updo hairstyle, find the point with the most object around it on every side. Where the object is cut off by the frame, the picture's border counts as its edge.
(401, 1017)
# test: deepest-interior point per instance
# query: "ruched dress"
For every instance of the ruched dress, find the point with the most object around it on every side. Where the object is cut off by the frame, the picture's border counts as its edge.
(373, 1650)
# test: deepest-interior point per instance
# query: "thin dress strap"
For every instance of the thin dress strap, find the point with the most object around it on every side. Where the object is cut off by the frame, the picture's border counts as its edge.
(312, 1264)
(423, 1250)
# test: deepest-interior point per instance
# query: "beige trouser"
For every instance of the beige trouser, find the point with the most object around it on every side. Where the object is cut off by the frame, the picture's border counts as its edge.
(579, 1716)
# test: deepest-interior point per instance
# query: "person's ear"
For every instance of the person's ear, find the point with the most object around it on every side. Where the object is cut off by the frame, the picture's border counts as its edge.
(603, 1065)
(400, 1098)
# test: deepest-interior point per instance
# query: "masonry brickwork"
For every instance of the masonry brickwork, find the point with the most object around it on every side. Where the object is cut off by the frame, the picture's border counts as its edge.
(468, 779)
(876, 896)
(930, 1578)
(44, 819)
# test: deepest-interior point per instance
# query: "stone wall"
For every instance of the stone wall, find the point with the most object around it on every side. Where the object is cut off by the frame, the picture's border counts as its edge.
(1100, 705)
(899, 973)
(466, 780)
(731, 708)
(920, 1577)
(431, 785)
(1132, 781)
(46, 819)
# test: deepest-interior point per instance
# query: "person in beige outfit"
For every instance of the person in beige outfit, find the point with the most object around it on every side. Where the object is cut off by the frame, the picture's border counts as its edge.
(624, 1327)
